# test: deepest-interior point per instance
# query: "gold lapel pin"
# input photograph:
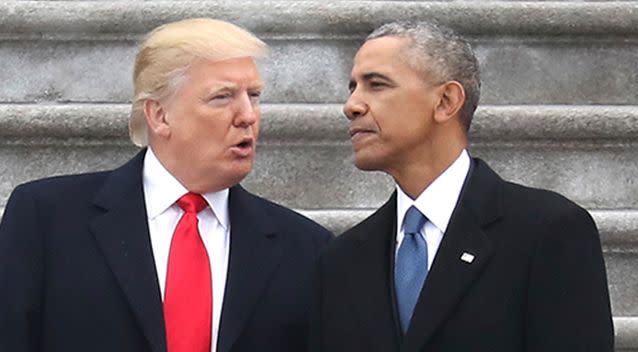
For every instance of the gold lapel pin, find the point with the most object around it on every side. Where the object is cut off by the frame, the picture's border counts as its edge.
(467, 257)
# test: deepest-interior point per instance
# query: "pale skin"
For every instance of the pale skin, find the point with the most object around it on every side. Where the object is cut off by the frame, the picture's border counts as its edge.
(205, 134)
(401, 122)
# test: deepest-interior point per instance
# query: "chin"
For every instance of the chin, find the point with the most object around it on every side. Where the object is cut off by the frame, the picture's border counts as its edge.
(222, 178)
(366, 164)
(238, 173)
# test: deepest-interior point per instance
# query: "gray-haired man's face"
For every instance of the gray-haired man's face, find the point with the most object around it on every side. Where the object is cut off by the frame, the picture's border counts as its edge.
(390, 108)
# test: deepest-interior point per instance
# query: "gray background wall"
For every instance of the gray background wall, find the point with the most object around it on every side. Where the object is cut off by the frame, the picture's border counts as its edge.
(558, 111)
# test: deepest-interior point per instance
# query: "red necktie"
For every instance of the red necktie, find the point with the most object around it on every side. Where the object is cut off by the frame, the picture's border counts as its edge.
(188, 298)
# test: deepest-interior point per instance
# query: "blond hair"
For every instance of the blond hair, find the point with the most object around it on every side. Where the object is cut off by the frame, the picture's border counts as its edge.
(167, 52)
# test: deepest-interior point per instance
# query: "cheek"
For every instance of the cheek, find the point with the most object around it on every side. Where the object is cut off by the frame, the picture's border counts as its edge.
(213, 122)
(389, 108)
(387, 119)
(216, 136)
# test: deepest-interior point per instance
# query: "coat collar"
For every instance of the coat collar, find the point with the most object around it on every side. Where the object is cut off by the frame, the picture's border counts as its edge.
(122, 233)
(255, 252)
(480, 204)
(371, 263)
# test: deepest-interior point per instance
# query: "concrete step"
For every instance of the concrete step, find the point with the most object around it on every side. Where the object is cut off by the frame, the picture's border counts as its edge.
(530, 53)
(325, 123)
(626, 331)
(515, 71)
(319, 18)
(587, 153)
(559, 102)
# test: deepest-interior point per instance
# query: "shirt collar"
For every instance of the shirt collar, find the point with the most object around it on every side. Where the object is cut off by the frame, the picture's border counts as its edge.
(438, 200)
(162, 190)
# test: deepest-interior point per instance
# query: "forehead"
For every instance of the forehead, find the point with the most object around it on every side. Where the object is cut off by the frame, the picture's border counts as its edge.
(238, 70)
(380, 54)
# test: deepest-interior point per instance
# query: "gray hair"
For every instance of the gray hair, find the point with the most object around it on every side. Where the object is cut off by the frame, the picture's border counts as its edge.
(439, 53)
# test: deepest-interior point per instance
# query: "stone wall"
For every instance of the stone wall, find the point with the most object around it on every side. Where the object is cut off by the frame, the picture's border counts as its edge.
(558, 110)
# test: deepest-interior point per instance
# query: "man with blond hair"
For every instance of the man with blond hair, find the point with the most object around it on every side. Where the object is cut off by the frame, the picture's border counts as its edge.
(167, 252)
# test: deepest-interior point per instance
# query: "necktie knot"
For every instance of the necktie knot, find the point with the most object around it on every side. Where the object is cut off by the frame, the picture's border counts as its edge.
(192, 203)
(414, 221)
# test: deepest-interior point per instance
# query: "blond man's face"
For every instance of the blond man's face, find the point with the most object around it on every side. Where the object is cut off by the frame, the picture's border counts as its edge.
(213, 120)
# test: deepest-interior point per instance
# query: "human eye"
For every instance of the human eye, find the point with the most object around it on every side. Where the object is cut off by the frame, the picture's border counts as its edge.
(377, 85)
(220, 98)
(254, 95)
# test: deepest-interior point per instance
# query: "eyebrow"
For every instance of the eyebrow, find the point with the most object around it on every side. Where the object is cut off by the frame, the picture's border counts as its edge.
(372, 75)
(368, 76)
(222, 86)
(259, 85)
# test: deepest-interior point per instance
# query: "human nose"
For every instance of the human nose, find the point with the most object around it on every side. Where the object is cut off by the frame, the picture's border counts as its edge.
(354, 106)
(247, 111)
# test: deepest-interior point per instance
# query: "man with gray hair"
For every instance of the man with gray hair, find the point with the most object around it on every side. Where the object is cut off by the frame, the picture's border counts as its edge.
(167, 252)
(457, 259)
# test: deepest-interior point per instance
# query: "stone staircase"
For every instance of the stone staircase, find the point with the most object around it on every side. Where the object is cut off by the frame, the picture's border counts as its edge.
(559, 108)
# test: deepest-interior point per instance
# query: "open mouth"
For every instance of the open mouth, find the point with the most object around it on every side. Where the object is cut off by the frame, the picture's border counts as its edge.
(248, 143)
(244, 147)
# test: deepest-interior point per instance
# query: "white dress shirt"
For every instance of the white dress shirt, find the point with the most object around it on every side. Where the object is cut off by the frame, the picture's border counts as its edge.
(437, 202)
(161, 191)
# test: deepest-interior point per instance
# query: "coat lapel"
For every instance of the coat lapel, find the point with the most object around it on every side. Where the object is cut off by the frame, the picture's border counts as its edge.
(450, 277)
(255, 253)
(123, 235)
(371, 296)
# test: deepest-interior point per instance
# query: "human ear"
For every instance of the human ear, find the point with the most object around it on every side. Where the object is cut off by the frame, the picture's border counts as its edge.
(155, 115)
(451, 99)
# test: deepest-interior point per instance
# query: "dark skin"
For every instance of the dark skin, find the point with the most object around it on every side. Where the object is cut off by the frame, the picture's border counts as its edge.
(400, 122)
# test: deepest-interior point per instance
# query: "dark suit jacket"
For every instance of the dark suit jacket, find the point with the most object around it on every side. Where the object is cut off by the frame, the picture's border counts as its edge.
(77, 271)
(537, 281)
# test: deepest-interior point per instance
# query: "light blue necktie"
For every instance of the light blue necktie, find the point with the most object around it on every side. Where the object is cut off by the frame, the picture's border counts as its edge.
(411, 266)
